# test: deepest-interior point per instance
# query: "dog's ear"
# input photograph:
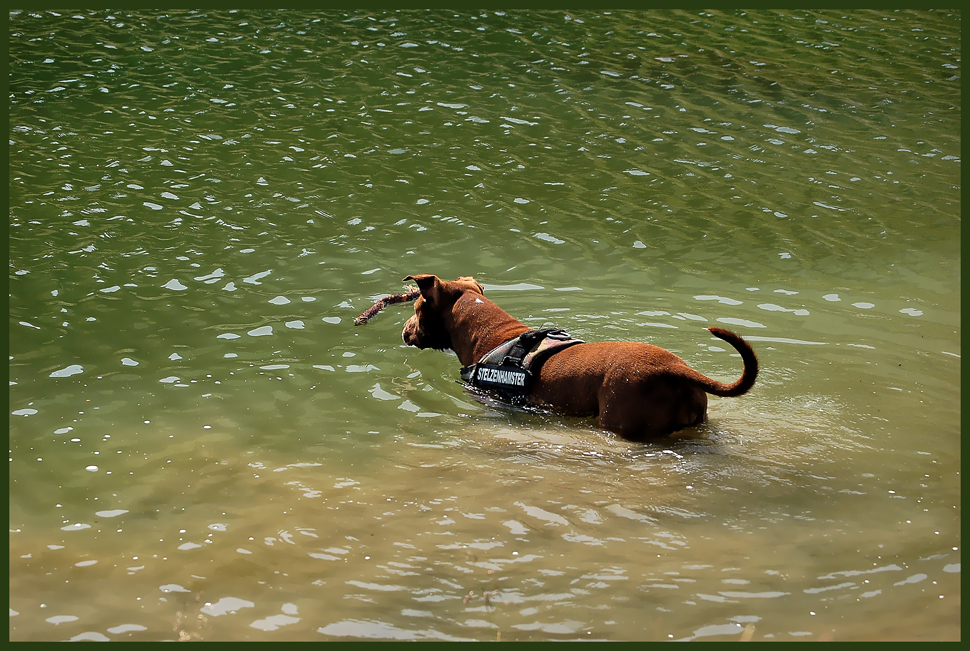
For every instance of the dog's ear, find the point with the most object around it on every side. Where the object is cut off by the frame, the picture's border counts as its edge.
(470, 280)
(426, 283)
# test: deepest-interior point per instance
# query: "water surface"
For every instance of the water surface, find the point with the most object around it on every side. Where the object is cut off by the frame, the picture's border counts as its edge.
(203, 446)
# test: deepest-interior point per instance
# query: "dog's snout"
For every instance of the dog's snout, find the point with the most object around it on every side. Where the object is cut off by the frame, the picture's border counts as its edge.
(410, 332)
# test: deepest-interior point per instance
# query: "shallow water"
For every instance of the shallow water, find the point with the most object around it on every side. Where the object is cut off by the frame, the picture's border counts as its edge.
(203, 446)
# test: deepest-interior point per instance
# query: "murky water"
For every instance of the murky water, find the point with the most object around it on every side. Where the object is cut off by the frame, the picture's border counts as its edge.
(203, 446)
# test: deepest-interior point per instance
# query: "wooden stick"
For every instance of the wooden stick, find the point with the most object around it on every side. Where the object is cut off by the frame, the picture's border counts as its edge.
(384, 302)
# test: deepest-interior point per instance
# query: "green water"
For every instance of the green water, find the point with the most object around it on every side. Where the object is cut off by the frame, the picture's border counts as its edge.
(203, 446)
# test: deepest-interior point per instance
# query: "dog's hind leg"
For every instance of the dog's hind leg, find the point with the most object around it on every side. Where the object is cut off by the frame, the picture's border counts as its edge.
(657, 409)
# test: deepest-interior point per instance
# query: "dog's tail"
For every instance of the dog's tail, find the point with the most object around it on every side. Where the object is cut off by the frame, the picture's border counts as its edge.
(746, 381)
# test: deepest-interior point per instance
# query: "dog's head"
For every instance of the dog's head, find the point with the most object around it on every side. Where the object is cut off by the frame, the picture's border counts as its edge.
(427, 328)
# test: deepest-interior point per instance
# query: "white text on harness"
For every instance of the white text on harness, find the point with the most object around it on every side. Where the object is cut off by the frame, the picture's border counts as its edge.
(493, 375)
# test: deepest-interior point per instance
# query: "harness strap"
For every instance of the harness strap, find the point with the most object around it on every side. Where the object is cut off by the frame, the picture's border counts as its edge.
(525, 344)
(511, 367)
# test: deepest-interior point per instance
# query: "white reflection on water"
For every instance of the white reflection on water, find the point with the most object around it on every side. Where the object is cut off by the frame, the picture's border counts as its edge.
(225, 606)
(370, 629)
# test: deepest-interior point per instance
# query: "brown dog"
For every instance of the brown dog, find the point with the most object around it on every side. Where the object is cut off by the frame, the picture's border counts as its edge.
(636, 390)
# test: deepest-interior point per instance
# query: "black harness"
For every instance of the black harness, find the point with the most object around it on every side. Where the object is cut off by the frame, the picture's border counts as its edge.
(511, 367)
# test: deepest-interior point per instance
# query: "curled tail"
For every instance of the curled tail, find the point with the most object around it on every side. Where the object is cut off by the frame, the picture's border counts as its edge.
(745, 382)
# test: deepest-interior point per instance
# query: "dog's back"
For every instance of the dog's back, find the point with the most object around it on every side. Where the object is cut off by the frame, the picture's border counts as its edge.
(637, 389)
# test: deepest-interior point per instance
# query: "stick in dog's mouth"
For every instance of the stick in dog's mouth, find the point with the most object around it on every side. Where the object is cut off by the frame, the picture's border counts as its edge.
(384, 302)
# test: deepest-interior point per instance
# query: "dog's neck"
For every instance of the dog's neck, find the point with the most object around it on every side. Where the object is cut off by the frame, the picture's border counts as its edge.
(473, 336)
